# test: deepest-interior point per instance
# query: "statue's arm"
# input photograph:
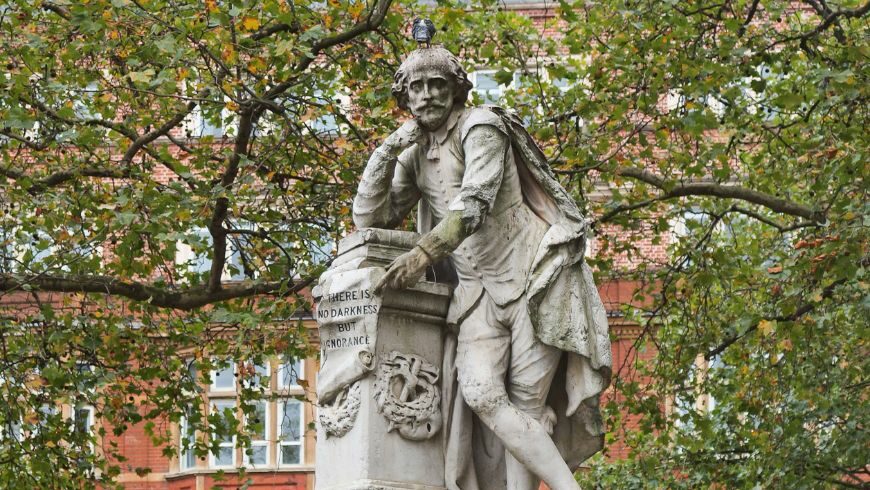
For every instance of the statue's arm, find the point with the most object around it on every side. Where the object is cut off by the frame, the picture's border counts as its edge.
(387, 190)
(485, 148)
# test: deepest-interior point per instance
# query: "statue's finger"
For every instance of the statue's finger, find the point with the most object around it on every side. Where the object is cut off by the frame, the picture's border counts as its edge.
(379, 286)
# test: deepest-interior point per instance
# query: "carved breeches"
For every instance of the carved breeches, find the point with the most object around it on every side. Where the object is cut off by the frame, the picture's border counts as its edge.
(499, 359)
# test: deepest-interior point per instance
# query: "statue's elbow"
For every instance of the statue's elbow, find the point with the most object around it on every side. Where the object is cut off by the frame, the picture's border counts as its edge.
(366, 219)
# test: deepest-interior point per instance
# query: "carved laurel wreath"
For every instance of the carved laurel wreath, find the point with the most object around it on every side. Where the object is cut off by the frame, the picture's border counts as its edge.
(338, 417)
(408, 396)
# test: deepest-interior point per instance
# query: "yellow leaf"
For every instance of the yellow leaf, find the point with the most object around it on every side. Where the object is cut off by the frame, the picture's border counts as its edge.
(31, 418)
(766, 327)
(355, 10)
(211, 5)
(250, 23)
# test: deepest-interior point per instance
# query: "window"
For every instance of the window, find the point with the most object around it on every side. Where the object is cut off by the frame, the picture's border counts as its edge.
(187, 443)
(224, 417)
(223, 376)
(83, 423)
(275, 424)
(291, 429)
(193, 256)
(257, 426)
(486, 86)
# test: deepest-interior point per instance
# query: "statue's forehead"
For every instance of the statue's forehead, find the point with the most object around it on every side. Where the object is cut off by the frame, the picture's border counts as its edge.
(427, 71)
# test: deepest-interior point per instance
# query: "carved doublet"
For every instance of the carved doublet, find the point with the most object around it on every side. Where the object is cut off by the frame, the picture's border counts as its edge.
(498, 256)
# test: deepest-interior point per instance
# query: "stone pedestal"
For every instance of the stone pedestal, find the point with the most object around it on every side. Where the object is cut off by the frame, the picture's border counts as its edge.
(379, 410)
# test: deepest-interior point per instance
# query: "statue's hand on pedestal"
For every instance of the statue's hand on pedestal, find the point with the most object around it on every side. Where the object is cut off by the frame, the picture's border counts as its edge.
(405, 271)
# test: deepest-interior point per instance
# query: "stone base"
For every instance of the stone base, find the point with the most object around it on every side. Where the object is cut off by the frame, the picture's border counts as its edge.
(379, 450)
(381, 485)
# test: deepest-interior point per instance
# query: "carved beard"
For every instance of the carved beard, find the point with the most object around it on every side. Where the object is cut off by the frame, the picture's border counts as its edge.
(433, 116)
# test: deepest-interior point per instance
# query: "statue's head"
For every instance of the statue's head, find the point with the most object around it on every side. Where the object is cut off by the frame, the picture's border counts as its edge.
(429, 83)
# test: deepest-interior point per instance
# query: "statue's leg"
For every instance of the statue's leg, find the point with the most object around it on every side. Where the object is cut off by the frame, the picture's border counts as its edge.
(483, 356)
(532, 369)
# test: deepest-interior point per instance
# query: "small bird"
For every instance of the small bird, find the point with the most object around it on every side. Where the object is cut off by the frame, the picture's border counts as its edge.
(423, 31)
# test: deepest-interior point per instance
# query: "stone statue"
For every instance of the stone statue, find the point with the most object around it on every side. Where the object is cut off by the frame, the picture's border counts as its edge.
(525, 314)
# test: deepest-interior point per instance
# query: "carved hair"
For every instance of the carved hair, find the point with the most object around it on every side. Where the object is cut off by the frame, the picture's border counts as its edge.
(435, 57)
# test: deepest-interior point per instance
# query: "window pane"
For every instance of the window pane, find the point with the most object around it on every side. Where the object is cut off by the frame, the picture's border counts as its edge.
(188, 440)
(257, 422)
(83, 420)
(289, 373)
(224, 456)
(291, 421)
(262, 369)
(225, 408)
(223, 378)
(258, 455)
(291, 454)
(485, 81)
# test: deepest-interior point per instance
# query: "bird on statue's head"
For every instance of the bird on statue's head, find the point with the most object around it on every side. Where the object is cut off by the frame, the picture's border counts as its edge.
(423, 30)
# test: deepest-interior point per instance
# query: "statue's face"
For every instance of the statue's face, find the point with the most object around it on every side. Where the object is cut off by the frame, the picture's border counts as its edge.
(430, 97)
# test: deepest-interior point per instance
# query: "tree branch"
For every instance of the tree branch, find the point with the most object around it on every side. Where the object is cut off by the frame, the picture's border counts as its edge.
(825, 24)
(63, 176)
(184, 299)
(274, 29)
(674, 189)
(373, 21)
(63, 12)
(146, 138)
(749, 16)
(215, 227)
(799, 312)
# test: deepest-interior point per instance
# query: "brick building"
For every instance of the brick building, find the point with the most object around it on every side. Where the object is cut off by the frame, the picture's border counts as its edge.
(282, 448)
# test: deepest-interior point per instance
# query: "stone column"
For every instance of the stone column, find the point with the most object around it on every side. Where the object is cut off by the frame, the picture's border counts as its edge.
(379, 387)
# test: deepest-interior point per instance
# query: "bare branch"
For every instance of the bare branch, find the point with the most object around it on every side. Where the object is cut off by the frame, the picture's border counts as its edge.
(184, 299)
(63, 12)
(674, 189)
(63, 176)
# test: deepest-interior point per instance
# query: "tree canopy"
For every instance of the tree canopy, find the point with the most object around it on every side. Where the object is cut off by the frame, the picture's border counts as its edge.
(174, 174)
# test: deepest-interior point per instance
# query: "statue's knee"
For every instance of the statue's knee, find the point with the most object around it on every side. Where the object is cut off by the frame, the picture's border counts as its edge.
(483, 397)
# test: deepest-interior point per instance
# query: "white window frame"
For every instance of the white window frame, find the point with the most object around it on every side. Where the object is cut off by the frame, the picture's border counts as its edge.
(282, 404)
(231, 443)
(246, 459)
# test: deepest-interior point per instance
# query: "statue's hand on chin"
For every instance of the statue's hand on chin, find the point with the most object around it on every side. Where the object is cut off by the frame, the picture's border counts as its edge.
(407, 134)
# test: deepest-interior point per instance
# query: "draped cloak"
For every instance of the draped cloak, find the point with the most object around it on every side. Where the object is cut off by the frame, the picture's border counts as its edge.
(567, 313)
